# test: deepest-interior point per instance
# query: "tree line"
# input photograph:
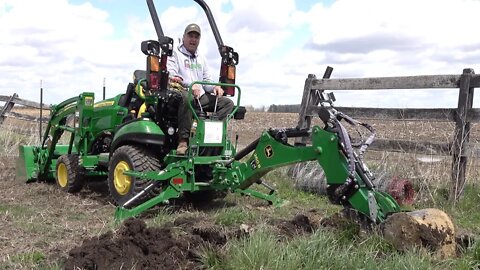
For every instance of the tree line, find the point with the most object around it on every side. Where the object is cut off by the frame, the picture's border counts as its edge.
(292, 108)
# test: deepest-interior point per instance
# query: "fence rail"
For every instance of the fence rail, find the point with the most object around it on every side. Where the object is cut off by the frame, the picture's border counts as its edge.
(460, 148)
(10, 102)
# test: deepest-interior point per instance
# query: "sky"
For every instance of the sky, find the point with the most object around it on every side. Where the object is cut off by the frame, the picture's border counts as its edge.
(67, 47)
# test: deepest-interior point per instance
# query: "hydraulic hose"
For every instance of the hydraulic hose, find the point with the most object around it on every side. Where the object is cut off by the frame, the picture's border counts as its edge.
(247, 149)
(346, 145)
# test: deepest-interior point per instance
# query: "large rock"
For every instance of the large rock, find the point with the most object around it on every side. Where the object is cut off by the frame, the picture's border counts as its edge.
(430, 228)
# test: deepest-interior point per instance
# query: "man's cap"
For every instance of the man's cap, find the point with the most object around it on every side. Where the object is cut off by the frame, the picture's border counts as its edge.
(192, 28)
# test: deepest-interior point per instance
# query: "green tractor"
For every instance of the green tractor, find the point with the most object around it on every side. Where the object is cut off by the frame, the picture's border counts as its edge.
(129, 141)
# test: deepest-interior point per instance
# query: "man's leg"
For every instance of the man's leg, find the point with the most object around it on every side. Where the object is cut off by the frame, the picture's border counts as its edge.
(184, 124)
(224, 105)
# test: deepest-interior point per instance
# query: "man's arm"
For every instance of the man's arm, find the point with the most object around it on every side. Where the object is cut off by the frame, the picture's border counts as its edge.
(173, 68)
(215, 89)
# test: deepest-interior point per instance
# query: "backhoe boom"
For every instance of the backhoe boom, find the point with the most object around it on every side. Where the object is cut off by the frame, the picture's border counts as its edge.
(271, 153)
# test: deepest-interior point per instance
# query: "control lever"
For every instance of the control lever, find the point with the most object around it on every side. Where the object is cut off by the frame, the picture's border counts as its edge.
(202, 113)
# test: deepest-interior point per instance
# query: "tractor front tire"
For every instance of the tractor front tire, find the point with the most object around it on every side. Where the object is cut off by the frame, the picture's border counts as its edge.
(69, 174)
(123, 187)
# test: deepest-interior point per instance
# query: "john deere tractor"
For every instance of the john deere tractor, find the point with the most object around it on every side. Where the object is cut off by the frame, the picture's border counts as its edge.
(129, 141)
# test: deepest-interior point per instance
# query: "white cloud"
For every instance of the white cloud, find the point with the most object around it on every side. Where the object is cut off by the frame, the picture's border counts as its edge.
(67, 47)
(71, 48)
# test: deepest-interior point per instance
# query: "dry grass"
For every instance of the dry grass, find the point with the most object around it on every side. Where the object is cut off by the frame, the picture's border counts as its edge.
(435, 169)
(40, 216)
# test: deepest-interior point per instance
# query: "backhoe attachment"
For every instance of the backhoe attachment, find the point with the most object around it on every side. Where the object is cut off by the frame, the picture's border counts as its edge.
(430, 228)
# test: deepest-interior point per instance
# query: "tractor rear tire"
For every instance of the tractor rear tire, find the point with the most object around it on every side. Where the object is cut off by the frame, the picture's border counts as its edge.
(123, 187)
(69, 174)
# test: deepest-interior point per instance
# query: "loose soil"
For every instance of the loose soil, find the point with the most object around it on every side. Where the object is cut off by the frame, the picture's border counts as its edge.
(139, 247)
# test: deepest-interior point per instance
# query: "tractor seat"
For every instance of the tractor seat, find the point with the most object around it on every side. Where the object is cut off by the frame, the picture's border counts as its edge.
(126, 99)
(240, 113)
(139, 75)
(134, 96)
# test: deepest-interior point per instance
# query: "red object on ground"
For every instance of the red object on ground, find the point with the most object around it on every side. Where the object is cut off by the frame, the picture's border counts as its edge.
(401, 190)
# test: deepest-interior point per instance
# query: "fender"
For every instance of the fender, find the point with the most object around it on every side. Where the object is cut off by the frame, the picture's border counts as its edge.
(138, 131)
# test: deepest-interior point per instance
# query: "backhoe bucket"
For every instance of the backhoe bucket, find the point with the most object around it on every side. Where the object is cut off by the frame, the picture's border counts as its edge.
(430, 228)
(26, 167)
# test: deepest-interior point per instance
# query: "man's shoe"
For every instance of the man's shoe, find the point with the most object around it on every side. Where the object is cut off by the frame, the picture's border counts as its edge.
(182, 147)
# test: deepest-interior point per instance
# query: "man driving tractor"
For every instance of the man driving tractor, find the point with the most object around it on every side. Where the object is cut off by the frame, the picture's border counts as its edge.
(185, 66)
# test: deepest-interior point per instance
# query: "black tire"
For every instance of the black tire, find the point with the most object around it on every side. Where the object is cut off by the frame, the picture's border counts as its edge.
(69, 174)
(121, 187)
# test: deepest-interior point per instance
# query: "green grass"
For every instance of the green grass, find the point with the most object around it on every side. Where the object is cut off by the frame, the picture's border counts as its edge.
(324, 250)
(34, 257)
(232, 216)
(343, 248)
(29, 260)
(296, 197)
(16, 211)
(465, 213)
(162, 216)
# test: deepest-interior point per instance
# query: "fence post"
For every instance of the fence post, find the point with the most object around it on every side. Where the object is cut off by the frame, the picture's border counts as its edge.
(309, 99)
(41, 112)
(461, 136)
(7, 107)
(304, 119)
(104, 88)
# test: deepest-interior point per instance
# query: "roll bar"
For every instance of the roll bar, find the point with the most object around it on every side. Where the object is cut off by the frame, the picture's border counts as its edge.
(156, 21)
(211, 21)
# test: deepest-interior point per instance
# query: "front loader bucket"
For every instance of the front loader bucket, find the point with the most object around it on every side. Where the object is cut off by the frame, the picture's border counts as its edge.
(26, 167)
(430, 228)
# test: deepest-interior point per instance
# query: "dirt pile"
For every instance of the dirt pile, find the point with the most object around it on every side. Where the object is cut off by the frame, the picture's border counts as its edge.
(140, 247)
(299, 224)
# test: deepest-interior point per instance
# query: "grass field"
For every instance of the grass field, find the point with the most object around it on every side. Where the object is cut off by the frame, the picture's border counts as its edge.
(45, 228)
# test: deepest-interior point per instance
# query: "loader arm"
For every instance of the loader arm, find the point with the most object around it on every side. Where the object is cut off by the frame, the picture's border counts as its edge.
(38, 162)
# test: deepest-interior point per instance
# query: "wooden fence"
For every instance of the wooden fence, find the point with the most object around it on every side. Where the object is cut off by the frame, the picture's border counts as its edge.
(10, 102)
(463, 115)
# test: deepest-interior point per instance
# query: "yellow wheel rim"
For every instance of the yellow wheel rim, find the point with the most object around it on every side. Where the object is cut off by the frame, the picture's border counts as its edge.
(62, 175)
(121, 181)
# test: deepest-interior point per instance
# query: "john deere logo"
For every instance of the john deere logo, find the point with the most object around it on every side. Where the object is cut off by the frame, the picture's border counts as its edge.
(268, 151)
(103, 104)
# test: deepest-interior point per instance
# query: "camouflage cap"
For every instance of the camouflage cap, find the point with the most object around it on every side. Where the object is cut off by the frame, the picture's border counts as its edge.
(192, 28)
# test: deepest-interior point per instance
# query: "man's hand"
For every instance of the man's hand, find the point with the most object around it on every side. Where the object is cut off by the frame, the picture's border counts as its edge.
(176, 83)
(176, 79)
(218, 91)
(196, 90)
